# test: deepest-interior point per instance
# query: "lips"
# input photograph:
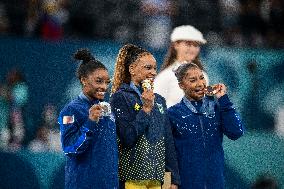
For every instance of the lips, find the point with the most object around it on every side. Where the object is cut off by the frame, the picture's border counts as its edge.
(100, 93)
(150, 78)
(199, 90)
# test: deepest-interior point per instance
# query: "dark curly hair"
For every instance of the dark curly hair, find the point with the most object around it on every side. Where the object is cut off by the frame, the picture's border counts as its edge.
(182, 69)
(127, 55)
(88, 63)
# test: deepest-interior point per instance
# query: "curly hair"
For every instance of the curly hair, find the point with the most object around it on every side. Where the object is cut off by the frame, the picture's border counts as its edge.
(88, 63)
(127, 55)
(180, 72)
(172, 55)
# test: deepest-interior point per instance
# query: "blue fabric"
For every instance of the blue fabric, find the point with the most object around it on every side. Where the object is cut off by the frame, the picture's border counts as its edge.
(90, 148)
(198, 137)
(146, 141)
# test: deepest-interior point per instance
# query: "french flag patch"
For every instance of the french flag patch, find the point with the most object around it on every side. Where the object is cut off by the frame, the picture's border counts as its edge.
(68, 119)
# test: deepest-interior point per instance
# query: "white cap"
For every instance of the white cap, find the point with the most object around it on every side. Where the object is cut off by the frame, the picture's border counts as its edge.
(187, 33)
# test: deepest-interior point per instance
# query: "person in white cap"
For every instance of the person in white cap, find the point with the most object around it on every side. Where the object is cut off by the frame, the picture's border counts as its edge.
(185, 47)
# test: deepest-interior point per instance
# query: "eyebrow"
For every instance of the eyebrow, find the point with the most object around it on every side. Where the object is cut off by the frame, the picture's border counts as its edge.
(98, 77)
(147, 63)
(194, 77)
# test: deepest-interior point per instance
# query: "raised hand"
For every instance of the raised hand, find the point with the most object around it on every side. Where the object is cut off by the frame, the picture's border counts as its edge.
(222, 90)
(95, 112)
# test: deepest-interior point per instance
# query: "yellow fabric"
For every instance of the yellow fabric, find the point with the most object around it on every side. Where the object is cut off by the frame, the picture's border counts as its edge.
(142, 184)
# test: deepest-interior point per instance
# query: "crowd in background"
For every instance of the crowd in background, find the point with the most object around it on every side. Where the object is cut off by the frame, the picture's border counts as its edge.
(241, 23)
(17, 129)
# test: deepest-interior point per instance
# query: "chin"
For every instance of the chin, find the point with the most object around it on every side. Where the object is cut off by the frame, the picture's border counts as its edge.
(99, 97)
(198, 98)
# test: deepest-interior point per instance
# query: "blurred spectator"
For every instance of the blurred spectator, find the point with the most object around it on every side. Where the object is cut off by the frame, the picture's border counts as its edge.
(230, 18)
(252, 24)
(242, 23)
(41, 142)
(157, 18)
(18, 96)
(230, 11)
(33, 14)
(273, 12)
(50, 25)
(47, 135)
(203, 14)
(83, 19)
(126, 20)
(234, 37)
(16, 13)
(265, 182)
(4, 21)
(49, 116)
(4, 118)
(185, 46)
(119, 20)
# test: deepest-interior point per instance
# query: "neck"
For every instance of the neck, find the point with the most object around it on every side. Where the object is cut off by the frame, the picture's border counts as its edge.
(135, 83)
(88, 96)
(180, 59)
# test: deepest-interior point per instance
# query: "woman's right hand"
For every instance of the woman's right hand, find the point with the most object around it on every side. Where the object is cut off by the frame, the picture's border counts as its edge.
(148, 100)
(95, 112)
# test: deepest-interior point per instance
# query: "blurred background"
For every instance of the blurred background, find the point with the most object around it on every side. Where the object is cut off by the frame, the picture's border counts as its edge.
(37, 75)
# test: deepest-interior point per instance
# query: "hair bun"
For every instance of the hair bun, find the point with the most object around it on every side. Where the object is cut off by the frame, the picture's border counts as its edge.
(83, 54)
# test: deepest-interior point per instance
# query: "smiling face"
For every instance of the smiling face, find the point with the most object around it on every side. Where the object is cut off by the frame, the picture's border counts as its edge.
(186, 50)
(96, 84)
(143, 68)
(193, 84)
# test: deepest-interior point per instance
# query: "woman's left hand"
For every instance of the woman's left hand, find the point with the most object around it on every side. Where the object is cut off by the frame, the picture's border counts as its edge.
(222, 90)
(173, 186)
